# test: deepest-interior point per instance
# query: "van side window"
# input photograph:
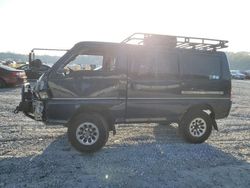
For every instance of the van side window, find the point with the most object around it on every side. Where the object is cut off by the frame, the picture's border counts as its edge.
(92, 63)
(142, 65)
(200, 66)
(167, 65)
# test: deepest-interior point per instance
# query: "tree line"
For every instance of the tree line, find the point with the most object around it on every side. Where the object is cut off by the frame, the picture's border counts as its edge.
(239, 60)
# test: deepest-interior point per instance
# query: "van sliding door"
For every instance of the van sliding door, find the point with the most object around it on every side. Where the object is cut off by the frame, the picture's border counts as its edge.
(153, 84)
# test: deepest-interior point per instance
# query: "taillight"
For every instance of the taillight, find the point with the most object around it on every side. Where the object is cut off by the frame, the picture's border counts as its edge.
(14, 74)
(18, 74)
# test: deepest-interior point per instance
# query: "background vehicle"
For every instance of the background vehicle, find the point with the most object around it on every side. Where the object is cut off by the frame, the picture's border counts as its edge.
(10, 76)
(146, 78)
(246, 73)
(36, 67)
(34, 72)
(236, 74)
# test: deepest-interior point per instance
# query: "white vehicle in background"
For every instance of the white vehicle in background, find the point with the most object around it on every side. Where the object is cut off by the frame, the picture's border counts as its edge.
(236, 74)
(246, 73)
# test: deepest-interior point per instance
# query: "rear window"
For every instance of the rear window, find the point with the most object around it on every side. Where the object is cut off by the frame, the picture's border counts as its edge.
(201, 66)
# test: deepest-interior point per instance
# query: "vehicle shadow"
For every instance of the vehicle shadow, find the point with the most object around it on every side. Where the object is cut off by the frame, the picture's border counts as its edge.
(160, 160)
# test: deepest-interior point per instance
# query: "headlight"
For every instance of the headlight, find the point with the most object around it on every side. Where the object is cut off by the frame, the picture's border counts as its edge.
(43, 94)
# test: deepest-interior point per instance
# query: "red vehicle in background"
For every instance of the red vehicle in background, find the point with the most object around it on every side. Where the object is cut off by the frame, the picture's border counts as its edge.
(11, 77)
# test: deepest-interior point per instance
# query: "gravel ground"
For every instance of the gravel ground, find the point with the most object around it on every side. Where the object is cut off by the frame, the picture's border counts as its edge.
(140, 155)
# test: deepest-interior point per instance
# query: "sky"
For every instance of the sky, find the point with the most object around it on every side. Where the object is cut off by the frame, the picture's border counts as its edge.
(27, 24)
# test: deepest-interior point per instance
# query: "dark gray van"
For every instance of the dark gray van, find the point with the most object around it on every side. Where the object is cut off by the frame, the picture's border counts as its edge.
(146, 78)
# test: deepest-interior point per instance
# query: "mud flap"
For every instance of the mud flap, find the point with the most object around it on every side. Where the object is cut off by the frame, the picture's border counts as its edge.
(212, 116)
(114, 131)
(26, 100)
(24, 106)
(214, 124)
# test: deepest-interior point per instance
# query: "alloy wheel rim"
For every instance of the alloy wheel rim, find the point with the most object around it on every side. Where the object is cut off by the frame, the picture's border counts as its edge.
(87, 133)
(197, 127)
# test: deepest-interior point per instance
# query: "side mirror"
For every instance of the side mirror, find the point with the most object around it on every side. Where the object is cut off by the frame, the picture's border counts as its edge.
(31, 56)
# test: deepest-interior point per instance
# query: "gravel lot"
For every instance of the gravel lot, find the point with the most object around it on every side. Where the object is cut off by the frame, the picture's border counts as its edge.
(140, 155)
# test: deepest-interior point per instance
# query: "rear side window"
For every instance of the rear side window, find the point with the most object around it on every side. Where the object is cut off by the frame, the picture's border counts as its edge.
(167, 65)
(200, 66)
(142, 65)
(154, 65)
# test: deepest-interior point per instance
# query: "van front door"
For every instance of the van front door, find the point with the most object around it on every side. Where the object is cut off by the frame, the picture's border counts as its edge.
(90, 81)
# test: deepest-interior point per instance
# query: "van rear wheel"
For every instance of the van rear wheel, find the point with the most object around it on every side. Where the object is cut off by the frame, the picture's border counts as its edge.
(196, 127)
(88, 132)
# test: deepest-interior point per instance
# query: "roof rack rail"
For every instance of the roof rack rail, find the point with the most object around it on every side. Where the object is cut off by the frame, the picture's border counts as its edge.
(49, 49)
(204, 44)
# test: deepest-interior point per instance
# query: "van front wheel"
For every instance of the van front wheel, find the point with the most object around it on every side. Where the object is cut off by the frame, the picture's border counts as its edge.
(88, 132)
(196, 127)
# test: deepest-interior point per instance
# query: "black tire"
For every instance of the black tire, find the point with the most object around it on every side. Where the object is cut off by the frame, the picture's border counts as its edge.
(88, 132)
(196, 127)
(2, 83)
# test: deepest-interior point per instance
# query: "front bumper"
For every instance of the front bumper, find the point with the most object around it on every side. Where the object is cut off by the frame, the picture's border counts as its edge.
(30, 104)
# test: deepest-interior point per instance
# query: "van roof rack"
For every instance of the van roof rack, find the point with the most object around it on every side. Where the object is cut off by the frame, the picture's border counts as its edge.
(204, 44)
(49, 49)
